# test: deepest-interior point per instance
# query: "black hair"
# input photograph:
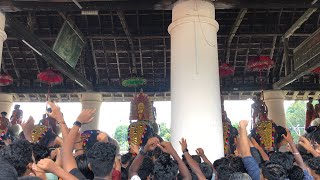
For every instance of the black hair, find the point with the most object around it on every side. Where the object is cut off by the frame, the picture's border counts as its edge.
(314, 164)
(48, 138)
(126, 158)
(278, 135)
(29, 178)
(124, 173)
(224, 172)
(240, 176)
(196, 158)
(146, 168)
(221, 162)
(4, 113)
(296, 173)
(18, 154)
(237, 164)
(156, 152)
(83, 166)
(206, 170)
(273, 171)
(7, 172)
(165, 167)
(315, 137)
(101, 158)
(286, 160)
(40, 152)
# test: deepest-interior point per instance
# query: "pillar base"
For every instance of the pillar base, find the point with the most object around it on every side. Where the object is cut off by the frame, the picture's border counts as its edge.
(91, 101)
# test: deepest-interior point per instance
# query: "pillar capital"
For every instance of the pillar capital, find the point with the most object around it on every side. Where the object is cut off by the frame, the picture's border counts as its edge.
(91, 97)
(270, 95)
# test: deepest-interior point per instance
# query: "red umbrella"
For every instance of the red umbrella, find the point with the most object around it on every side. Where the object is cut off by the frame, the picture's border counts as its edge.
(5, 80)
(226, 70)
(316, 70)
(50, 77)
(260, 63)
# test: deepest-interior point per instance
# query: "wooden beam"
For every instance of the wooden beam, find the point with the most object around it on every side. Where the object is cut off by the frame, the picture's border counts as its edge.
(106, 60)
(272, 51)
(286, 57)
(117, 57)
(236, 54)
(299, 22)
(233, 31)
(94, 61)
(12, 61)
(247, 57)
(164, 59)
(140, 52)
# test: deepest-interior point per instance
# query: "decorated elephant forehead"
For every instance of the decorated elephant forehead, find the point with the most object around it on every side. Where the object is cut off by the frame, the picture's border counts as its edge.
(38, 132)
(89, 136)
(136, 132)
(266, 132)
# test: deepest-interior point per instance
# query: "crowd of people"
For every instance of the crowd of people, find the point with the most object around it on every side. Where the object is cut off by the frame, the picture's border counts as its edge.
(38, 152)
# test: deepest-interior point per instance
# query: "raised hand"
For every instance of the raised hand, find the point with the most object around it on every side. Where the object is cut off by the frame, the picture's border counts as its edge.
(243, 123)
(134, 149)
(305, 143)
(86, 116)
(56, 113)
(47, 165)
(183, 144)
(27, 126)
(288, 137)
(151, 144)
(200, 152)
(166, 147)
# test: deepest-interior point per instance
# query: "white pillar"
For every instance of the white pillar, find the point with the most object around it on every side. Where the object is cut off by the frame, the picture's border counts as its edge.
(6, 103)
(274, 100)
(195, 89)
(3, 35)
(91, 101)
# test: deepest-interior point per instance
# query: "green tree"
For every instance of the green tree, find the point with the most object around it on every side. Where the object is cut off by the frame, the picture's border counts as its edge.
(296, 116)
(165, 132)
(121, 135)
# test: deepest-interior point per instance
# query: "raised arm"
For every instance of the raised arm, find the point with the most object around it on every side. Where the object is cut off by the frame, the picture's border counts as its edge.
(58, 116)
(167, 148)
(244, 145)
(192, 163)
(49, 166)
(304, 142)
(295, 151)
(68, 160)
(263, 154)
(200, 152)
(27, 127)
(135, 166)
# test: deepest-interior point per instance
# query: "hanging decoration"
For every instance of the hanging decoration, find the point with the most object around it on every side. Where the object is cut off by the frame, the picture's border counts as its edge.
(134, 82)
(316, 70)
(226, 70)
(50, 77)
(5, 80)
(260, 63)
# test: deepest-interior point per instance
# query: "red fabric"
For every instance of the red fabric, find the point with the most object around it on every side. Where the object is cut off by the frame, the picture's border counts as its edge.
(5, 79)
(50, 77)
(316, 70)
(260, 63)
(226, 70)
(116, 175)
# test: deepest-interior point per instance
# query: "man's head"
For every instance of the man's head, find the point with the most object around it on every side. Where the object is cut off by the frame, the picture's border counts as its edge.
(101, 158)
(224, 172)
(284, 159)
(240, 176)
(83, 166)
(273, 171)
(7, 171)
(206, 170)
(19, 155)
(237, 164)
(310, 99)
(40, 152)
(146, 168)
(314, 165)
(125, 159)
(165, 167)
(315, 140)
(296, 173)
(4, 114)
(16, 107)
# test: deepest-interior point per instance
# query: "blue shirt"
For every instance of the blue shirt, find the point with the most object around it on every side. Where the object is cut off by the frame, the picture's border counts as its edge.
(307, 176)
(252, 167)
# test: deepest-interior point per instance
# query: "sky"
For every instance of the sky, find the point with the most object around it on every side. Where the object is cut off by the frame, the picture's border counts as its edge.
(113, 114)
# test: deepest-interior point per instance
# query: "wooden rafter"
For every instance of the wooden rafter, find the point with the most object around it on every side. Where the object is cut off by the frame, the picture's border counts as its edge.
(12, 61)
(94, 61)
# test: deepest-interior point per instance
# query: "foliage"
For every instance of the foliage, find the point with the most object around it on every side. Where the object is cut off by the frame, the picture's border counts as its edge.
(296, 116)
(165, 132)
(121, 135)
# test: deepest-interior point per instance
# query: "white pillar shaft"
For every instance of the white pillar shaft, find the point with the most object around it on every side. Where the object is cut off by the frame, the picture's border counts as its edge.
(3, 35)
(91, 101)
(6, 103)
(274, 101)
(195, 89)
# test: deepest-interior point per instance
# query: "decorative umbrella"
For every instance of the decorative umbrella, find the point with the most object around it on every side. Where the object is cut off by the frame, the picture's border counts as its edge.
(260, 63)
(5, 79)
(50, 77)
(316, 70)
(226, 70)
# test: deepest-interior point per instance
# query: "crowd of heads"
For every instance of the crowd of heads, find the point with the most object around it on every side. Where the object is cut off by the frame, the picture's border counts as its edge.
(38, 152)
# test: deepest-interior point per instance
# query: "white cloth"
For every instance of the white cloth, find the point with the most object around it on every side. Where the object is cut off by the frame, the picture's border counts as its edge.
(135, 177)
